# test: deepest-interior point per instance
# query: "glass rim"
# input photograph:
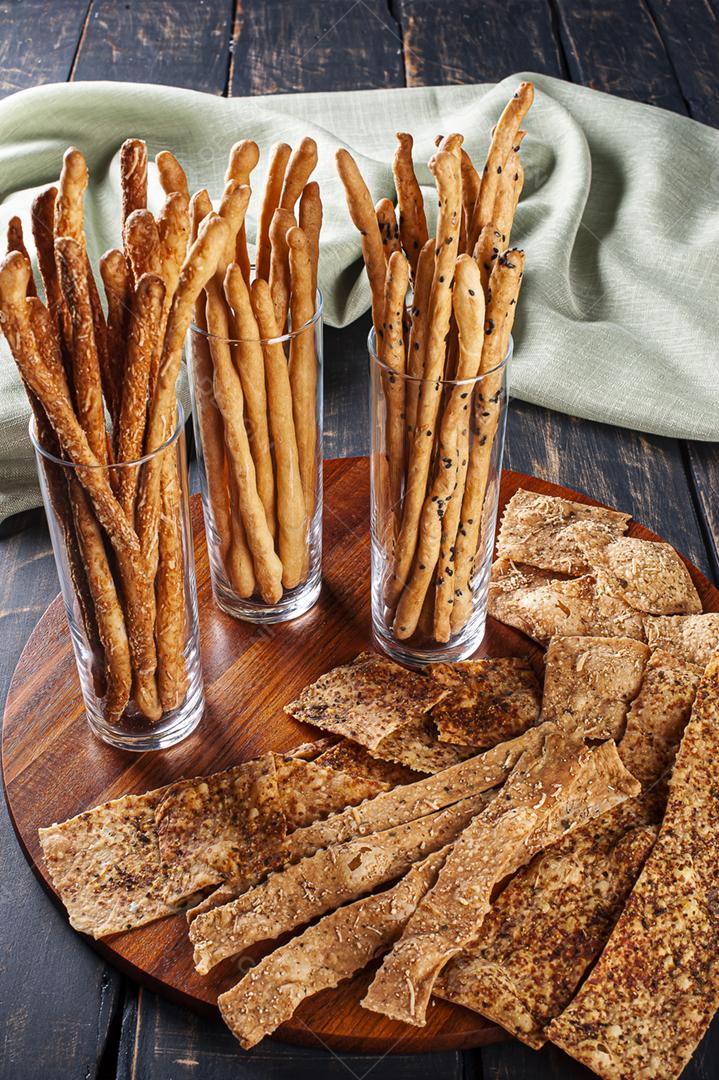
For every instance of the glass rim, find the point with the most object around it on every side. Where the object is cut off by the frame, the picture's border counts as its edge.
(280, 340)
(371, 339)
(40, 449)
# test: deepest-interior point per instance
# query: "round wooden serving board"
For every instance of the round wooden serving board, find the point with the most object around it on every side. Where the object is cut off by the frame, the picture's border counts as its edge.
(54, 768)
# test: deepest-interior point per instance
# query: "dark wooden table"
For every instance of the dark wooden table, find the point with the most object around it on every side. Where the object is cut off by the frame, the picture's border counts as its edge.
(65, 1015)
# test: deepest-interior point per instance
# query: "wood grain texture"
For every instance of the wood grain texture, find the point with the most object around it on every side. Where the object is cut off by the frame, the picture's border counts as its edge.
(38, 41)
(53, 767)
(690, 34)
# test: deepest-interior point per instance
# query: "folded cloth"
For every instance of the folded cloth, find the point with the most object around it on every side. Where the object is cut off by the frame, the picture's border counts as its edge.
(619, 218)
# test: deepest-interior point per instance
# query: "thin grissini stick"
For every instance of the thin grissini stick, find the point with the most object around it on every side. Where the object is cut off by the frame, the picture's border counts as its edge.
(173, 227)
(410, 204)
(446, 169)
(471, 182)
(303, 364)
(279, 279)
(43, 231)
(508, 195)
(279, 156)
(118, 290)
(291, 517)
(172, 175)
(69, 215)
(388, 227)
(505, 284)
(418, 332)
(250, 362)
(361, 209)
(141, 239)
(299, 169)
(143, 330)
(468, 304)
(72, 266)
(170, 620)
(16, 242)
(311, 225)
(504, 137)
(244, 156)
(486, 252)
(133, 176)
(392, 354)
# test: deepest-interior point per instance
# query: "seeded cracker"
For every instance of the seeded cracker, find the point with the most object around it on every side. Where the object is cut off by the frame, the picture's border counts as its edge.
(366, 700)
(692, 638)
(310, 790)
(354, 759)
(490, 701)
(648, 1001)
(334, 949)
(590, 682)
(534, 531)
(416, 745)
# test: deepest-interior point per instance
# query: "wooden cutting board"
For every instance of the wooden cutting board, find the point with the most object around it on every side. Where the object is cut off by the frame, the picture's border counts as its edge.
(53, 767)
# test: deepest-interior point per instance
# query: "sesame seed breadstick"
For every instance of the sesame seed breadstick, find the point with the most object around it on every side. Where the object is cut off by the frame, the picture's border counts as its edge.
(244, 156)
(311, 224)
(299, 169)
(388, 227)
(279, 156)
(172, 175)
(393, 357)
(468, 305)
(504, 289)
(133, 176)
(170, 621)
(291, 517)
(173, 227)
(43, 232)
(141, 240)
(361, 210)
(279, 279)
(118, 290)
(410, 204)
(303, 364)
(69, 217)
(16, 242)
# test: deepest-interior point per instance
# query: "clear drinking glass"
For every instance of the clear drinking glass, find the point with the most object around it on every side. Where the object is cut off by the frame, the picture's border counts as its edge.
(430, 605)
(161, 707)
(234, 540)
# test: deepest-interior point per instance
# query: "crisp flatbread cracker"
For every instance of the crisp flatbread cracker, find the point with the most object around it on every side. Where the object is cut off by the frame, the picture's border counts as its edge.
(653, 992)
(692, 638)
(490, 701)
(535, 529)
(356, 760)
(416, 745)
(547, 795)
(310, 790)
(589, 683)
(333, 949)
(334, 875)
(546, 928)
(658, 716)
(544, 607)
(311, 751)
(228, 825)
(367, 699)
(105, 865)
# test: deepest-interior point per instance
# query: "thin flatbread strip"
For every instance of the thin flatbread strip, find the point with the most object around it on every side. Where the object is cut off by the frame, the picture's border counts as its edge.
(416, 745)
(534, 531)
(647, 1003)
(658, 716)
(589, 683)
(491, 700)
(547, 795)
(403, 804)
(321, 883)
(310, 790)
(105, 865)
(354, 759)
(544, 607)
(546, 928)
(692, 638)
(335, 948)
(230, 824)
(366, 699)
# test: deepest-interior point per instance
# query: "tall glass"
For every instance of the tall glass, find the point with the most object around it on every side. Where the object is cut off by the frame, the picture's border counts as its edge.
(133, 621)
(433, 525)
(260, 465)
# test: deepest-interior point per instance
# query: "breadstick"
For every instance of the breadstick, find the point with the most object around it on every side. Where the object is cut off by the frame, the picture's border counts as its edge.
(303, 364)
(361, 209)
(311, 224)
(412, 221)
(418, 332)
(69, 216)
(172, 175)
(279, 279)
(504, 138)
(446, 169)
(133, 176)
(388, 227)
(508, 196)
(118, 290)
(299, 169)
(170, 620)
(251, 366)
(486, 250)
(471, 182)
(279, 156)
(504, 289)
(141, 239)
(16, 242)
(290, 502)
(468, 305)
(173, 226)
(393, 357)
(244, 156)
(143, 330)
(43, 232)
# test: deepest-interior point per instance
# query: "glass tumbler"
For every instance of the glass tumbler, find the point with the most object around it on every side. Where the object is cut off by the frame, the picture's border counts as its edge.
(433, 509)
(257, 412)
(132, 616)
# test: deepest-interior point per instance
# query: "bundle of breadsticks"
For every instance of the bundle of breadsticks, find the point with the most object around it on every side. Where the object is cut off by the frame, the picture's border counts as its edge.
(465, 282)
(102, 386)
(255, 403)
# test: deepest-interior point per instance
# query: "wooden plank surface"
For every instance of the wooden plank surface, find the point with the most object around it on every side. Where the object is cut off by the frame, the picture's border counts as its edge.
(39, 41)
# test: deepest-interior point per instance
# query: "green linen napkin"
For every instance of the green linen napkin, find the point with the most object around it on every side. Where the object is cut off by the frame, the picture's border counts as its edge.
(619, 219)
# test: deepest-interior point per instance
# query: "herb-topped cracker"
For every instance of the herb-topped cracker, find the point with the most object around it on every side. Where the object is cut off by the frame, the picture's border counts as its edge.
(490, 700)
(692, 638)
